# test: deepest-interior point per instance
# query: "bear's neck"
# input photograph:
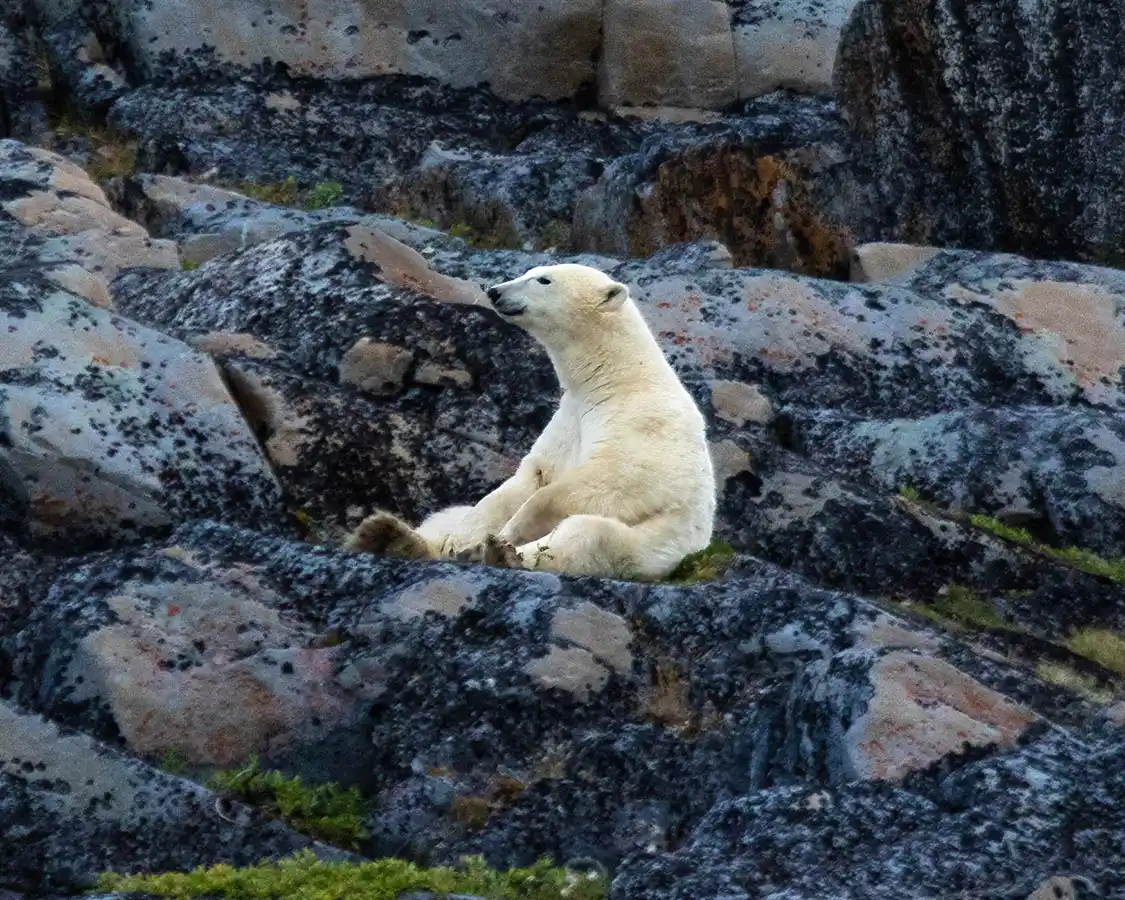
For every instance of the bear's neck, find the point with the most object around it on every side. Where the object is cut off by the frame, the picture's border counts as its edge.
(613, 364)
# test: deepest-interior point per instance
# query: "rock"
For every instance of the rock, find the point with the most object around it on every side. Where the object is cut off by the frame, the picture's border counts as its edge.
(998, 826)
(60, 221)
(987, 127)
(208, 221)
(518, 51)
(816, 392)
(994, 461)
(71, 808)
(882, 262)
(667, 53)
(773, 185)
(111, 430)
(790, 45)
(21, 109)
(514, 714)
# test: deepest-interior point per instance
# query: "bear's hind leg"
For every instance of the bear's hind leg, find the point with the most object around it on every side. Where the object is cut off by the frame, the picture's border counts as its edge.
(388, 535)
(597, 545)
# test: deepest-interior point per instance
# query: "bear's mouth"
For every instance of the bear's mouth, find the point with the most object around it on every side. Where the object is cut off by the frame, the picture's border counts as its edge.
(509, 308)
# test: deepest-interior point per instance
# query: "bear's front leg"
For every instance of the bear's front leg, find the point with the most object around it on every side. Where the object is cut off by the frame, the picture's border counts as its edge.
(539, 515)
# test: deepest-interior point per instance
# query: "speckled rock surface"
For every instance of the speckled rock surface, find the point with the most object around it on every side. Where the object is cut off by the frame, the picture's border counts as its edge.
(514, 714)
(824, 399)
(71, 808)
(995, 125)
(110, 430)
(21, 110)
(57, 220)
(787, 44)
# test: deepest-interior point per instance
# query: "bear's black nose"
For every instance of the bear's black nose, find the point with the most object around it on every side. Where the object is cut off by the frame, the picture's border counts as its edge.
(494, 294)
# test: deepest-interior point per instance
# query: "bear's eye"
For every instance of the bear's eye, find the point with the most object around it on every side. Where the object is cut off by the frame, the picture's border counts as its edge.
(543, 280)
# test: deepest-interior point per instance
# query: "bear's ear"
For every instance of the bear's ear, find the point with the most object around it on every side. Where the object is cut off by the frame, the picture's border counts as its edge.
(615, 296)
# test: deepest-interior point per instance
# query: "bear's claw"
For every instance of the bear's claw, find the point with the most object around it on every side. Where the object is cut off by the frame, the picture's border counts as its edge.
(387, 535)
(493, 551)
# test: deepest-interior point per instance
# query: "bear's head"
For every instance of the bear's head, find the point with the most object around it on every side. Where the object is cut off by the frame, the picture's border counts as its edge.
(560, 301)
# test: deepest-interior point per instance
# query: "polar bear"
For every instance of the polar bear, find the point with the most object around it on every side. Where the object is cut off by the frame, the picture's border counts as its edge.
(619, 484)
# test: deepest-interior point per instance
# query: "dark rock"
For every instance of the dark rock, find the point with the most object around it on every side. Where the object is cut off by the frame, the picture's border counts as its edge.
(996, 827)
(993, 125)
(510, 713)
(22, 114)
(71, 809)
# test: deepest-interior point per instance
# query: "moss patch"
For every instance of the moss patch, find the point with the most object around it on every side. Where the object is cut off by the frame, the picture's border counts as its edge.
(1106, 648)
(303, 877)
(112, 154)
(1073, 681)
(958, 608)
(290, 193)
(1076, 557)
(706, 565)
(323, 811)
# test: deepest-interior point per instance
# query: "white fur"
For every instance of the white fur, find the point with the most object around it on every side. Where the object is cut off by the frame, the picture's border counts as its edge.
(620, 483)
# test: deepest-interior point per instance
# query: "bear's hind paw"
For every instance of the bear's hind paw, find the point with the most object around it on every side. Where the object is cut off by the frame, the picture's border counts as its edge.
(387, 535)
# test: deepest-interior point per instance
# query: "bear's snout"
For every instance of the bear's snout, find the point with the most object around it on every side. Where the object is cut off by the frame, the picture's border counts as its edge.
(506, 306)
(494, 294)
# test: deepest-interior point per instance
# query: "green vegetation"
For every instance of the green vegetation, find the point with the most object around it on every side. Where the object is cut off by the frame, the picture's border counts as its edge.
(323, 811)
(112, 154)
(1076, 557)
(1106, 648)
(1076, 682)
(910, 494)
(173, 763)
(325, 195)
(289, 193)
(706, 565)
(189, 265)
(303, 877)
(960, 606)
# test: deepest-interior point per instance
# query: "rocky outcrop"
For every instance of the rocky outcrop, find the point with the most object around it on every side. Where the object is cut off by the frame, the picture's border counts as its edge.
(72, 808)
(703, 54)
(514, 714)
(108, 429)
(996, 125)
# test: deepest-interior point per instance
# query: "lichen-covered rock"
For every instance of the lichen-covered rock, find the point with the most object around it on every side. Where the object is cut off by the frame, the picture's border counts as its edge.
(71, 808)
(667, 53)
(110, 430)
(21, 109)
(999, 826)
(817, 393)
(994, 125)
(773, 185)
(790, 45)
(511, 713)
(57, 220)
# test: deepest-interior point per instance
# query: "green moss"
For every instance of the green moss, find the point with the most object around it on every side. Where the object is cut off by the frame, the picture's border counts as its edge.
(189, 265)
(1106, 648)
(1001, 530)
(173, 763)
(1076, 557)
(284, 193)
(323, 811)
(324, 195)
(706, 565)
(958, 608)
(1076, 682)
(303, 877)
(910, 494)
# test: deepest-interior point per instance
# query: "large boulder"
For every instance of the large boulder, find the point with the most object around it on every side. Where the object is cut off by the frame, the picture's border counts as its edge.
(995, 125)
(790, 45)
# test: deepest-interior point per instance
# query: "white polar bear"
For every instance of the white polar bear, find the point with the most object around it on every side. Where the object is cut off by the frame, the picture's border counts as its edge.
(619, 484)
